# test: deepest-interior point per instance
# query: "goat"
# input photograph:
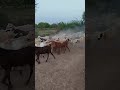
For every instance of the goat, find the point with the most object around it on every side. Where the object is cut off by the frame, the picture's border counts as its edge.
(43, 50)
(14, 58)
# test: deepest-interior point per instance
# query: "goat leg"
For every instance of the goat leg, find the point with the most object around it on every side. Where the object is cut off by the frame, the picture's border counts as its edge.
(52, 55)
(38, 59)
(31, 71)
(7, 77)
(47, 57)
(68, 48)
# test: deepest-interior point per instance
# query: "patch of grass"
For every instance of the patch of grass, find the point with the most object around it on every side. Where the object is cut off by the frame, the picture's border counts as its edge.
(45, 32)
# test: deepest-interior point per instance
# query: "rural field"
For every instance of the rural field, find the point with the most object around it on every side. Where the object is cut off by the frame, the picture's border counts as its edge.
(66, 72)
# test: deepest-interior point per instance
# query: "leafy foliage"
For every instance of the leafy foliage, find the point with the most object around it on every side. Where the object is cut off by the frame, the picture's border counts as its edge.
(62, 25)
(48, 28)
(43, 25)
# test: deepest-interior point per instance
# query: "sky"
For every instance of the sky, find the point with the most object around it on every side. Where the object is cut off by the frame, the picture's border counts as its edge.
(55, 11)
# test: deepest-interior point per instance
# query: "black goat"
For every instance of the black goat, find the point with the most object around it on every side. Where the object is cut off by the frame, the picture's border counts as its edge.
(14, 58)
(43, 50)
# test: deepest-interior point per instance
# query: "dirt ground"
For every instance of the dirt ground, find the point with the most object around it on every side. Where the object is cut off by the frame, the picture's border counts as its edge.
(66, 72)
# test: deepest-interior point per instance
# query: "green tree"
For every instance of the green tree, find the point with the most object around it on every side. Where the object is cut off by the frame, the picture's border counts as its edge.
(61, 25)
(53, 25)
(43, 25)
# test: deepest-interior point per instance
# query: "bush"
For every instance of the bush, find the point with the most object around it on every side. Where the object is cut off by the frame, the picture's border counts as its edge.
(43, 25)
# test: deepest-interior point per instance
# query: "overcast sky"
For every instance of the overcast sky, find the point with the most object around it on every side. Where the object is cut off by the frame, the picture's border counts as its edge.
(54, 11)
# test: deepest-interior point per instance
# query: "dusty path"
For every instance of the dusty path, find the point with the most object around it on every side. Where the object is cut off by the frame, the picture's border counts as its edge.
(66, 72)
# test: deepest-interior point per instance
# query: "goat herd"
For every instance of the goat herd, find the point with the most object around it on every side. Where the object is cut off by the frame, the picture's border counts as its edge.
(47, 45)
(17, 49)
